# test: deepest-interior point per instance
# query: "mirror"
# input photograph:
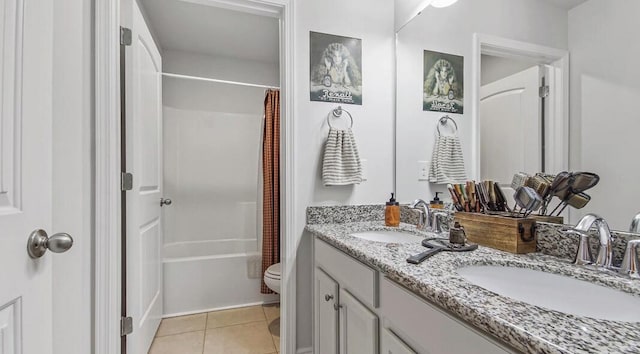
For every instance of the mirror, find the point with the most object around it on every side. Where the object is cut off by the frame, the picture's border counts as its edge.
(497, 55)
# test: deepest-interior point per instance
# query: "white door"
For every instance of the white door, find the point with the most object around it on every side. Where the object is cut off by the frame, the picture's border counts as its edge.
(144, 161)
(26, 69)
(326, 314)
(510, 126)
(358, 326)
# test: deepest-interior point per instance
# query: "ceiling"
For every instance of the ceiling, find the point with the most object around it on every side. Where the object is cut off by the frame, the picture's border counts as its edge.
(405, 10)
(566, 4)
(206, 29)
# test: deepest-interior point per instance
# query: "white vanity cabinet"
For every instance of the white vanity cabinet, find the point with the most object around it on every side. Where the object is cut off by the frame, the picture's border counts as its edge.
(391, 344)
(358, 326)
(359, 311)
(326, 313)
(429, 329)
(344, 303)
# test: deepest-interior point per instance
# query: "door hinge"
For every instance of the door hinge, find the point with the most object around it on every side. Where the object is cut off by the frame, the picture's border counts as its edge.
(126, 326)
(125, 36)
(544, 91)
(126, 181)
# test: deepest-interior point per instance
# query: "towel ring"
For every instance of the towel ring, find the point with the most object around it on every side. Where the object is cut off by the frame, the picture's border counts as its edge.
(337, 112)
(444, 120)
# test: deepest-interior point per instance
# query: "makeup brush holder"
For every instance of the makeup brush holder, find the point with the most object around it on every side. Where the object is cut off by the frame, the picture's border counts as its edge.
(505, 233)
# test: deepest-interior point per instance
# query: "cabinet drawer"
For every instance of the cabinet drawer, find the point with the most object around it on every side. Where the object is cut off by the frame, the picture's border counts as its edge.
(357, 278)
(429, 327)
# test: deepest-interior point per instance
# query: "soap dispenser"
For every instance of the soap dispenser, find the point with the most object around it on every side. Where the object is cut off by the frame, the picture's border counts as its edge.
(436, 203)
(392, 213)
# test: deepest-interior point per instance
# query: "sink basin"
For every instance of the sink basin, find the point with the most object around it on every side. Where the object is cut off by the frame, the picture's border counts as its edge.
(387, 236)
(556, 292)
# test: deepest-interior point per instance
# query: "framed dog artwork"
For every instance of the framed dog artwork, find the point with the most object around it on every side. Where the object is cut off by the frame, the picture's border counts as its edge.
(443, 82)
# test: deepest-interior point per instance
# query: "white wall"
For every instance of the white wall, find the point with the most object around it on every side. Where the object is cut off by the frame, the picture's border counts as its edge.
(605, 87)
(206, 96)
(404, 10)
(372, 21)
(451, 30)
(495, 68)
(212, 147)
(72, 176)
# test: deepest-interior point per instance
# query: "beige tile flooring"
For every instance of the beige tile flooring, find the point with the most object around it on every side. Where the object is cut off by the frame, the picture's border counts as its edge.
(246, 330)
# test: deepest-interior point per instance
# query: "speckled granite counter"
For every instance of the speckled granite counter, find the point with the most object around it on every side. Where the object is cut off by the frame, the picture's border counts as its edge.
(525, 327)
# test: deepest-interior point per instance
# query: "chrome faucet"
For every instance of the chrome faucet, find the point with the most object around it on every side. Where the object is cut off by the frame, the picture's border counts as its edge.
(630, 264)
(605, 250)
(424, 217)
(635, 224)
(436, 223)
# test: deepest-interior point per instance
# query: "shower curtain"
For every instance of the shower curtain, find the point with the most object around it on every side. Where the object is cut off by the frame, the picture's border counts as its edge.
(271, 184)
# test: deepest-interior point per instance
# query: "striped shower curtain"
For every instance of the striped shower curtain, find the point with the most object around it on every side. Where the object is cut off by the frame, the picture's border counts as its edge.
(271, 184)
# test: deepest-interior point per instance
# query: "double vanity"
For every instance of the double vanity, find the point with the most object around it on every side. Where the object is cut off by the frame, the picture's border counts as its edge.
(368, 299)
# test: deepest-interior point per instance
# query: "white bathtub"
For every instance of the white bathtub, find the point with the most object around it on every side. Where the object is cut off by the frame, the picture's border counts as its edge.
(211, 275)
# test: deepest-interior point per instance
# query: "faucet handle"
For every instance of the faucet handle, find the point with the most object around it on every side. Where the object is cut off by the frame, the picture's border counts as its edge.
(436, 224)
(630, 263)
(583, 255)
(420, 225)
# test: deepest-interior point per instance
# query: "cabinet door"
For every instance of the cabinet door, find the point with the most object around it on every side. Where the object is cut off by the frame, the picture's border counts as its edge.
(358, 327)
(326, 314)
(390, 344)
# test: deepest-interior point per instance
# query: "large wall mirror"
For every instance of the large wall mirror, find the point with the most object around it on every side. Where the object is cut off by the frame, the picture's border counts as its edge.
(529, 85)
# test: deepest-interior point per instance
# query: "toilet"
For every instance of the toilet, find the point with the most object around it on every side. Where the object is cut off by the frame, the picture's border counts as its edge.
(272, 277)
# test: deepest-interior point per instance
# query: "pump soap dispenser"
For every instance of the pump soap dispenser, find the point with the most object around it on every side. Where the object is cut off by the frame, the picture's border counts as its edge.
(436, 203)
(392, 213)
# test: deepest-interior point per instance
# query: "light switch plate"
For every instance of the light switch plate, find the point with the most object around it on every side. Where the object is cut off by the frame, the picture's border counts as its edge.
(365, 169)
(423, 170)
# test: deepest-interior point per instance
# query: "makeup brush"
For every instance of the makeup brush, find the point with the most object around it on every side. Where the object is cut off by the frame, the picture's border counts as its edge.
(578, 201)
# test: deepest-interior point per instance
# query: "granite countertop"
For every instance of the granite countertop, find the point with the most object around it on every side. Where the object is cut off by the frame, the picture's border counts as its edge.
(527, 328)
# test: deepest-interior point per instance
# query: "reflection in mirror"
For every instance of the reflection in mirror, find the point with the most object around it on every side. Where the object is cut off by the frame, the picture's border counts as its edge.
(588, 121)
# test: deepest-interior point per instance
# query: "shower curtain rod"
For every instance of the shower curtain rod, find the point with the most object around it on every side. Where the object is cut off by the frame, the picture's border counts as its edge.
(219, 81)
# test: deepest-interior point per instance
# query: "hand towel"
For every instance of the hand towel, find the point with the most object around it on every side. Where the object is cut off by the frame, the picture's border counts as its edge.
(341, 163)
(447, 162)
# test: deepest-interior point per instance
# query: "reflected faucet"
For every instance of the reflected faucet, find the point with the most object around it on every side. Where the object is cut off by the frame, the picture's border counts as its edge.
(605, 251)
(436, 222)
(424, 217)
(635, 224)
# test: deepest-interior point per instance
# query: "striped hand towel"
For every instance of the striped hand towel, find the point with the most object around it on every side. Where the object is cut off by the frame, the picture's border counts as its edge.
(341, 164)
(447, 163)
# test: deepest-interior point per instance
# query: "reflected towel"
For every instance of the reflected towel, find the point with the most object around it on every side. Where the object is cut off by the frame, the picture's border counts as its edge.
(341, 164)
(447, 162)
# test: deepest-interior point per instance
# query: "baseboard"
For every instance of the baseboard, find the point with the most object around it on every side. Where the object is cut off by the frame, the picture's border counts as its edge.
(259, 303)
(308, 350)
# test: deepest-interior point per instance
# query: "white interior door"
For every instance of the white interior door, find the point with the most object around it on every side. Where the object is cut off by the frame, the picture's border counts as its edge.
(144, 161)
(26, 68)
(510, 126)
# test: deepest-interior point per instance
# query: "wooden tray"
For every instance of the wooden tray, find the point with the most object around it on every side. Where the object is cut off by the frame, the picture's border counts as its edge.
(549, 219)
(505, 233)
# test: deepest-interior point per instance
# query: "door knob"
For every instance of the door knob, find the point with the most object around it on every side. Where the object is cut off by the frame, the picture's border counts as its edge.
(39, 242)
(164, 202)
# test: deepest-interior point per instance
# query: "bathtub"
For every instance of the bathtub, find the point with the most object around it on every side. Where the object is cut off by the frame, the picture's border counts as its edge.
(213, 275)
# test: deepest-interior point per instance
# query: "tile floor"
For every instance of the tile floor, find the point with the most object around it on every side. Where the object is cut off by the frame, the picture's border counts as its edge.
(247, 330)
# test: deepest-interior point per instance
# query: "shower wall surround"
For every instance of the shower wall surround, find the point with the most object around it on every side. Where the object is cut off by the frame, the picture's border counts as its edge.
(212, 147)
(212, 155)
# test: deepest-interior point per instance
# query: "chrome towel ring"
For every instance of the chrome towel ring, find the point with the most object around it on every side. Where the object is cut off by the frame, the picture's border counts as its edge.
(337, 113)
(443, 122)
